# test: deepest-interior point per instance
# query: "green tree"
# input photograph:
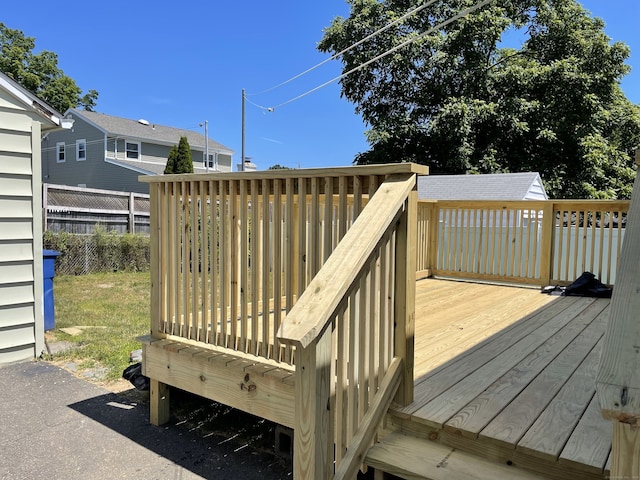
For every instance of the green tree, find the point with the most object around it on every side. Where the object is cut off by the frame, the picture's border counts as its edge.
(277, 166)
(39, 72)
(180, 160)
(459, 101)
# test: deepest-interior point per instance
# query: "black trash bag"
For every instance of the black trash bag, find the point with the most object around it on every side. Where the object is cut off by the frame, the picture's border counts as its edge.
(587, 285)
(133, 373)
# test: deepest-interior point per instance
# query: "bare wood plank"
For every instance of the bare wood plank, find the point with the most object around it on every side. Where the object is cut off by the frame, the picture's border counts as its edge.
(255, 267)
(550, 432)
(544, 320)
(520, 354)
(277, 263)
(513, 422)
(415, 459)
(224, 261)
(242, 341)
(360, 170)
(266, 265)
(590, 442)
(224, 380)
(479, 412)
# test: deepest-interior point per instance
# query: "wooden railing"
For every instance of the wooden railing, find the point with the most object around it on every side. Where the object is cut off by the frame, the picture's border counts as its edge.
(352, 329)
(527, 242)
(311, 268)
(232, 253)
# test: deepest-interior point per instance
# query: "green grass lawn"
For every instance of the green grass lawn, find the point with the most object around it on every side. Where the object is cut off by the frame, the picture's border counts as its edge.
(114, 307)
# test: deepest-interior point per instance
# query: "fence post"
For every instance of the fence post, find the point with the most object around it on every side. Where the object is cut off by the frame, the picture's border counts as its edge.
(132, 213)
(546, 244)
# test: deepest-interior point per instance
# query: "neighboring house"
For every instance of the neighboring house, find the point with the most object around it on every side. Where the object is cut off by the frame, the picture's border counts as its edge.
(23, 120)
(107, 152)
(493, 186)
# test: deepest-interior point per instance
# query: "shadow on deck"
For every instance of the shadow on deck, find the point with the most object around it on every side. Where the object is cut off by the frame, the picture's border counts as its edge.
(508, 374)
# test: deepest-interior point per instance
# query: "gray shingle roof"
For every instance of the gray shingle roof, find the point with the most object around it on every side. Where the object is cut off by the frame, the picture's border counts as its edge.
(153, 133)
(495, 186)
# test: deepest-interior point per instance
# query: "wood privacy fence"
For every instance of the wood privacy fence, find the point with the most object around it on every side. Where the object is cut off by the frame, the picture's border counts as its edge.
(79, 210)
(528, 242)
(305, 270)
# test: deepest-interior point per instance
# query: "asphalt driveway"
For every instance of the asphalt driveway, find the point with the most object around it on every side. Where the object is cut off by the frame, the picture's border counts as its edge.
(54, 425)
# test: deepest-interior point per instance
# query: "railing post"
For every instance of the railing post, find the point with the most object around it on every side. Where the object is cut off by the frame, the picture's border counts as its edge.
(434, 225)
(546, 243)
(618, 378)
(313, 442)
(405, 295)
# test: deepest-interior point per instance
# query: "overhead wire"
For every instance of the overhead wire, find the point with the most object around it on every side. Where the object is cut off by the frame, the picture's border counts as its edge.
(384, 54)
(342, 52)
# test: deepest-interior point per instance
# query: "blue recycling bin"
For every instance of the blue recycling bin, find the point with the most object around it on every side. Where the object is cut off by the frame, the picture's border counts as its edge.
(48, 272)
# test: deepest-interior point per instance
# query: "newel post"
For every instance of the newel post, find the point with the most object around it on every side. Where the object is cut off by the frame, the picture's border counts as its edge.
(313, 442)
(405, 295)
(618, 379)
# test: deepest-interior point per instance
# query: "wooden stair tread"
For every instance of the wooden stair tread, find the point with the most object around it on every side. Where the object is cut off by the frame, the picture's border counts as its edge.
(415, 458)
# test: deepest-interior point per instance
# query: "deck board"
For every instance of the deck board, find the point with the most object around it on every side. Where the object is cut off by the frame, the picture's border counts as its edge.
(487, 405)
(510, 372)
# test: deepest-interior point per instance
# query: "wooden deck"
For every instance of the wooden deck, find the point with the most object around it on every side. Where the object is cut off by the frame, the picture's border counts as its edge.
(508, 373)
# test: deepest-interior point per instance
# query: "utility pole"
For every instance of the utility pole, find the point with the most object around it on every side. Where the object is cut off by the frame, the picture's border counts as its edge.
(242, 149)
(206, 143)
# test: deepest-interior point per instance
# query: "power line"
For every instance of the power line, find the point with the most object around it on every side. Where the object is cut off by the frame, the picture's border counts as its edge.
(388, 52)
(359, 42)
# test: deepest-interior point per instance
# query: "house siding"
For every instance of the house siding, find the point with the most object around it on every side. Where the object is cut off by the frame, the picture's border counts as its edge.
(72, 171)
(21, 307)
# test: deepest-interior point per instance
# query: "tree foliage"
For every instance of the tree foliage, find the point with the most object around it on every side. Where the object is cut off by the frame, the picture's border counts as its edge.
(39, 72)
(180, 160)
(460, 101)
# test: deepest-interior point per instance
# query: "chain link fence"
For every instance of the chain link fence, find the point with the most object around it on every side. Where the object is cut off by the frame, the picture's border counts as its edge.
(99, 252)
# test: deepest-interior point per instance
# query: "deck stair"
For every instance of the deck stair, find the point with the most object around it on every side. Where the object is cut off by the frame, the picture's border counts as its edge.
(415, 458)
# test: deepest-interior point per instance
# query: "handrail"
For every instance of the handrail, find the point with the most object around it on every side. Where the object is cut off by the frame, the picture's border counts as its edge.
(360, 170)
(352, 329)
(311, 314)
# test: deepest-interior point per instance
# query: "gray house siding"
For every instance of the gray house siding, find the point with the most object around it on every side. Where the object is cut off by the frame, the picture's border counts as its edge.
(72, 171)
(107, 166)
(21, 307)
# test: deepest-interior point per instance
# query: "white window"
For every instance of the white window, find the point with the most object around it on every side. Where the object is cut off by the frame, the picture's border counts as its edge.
(60, 152)
(132, 150)
(81, 150)
(211, 165)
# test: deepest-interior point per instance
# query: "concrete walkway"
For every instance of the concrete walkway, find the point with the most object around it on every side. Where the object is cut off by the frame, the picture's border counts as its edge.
(56, 426)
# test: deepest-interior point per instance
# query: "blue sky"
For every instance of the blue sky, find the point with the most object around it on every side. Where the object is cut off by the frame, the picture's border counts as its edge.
(182, 64)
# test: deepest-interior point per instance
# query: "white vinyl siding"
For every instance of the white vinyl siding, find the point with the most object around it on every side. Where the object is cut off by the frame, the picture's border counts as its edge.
(60, 152)
(81, 150)
(21, 307)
